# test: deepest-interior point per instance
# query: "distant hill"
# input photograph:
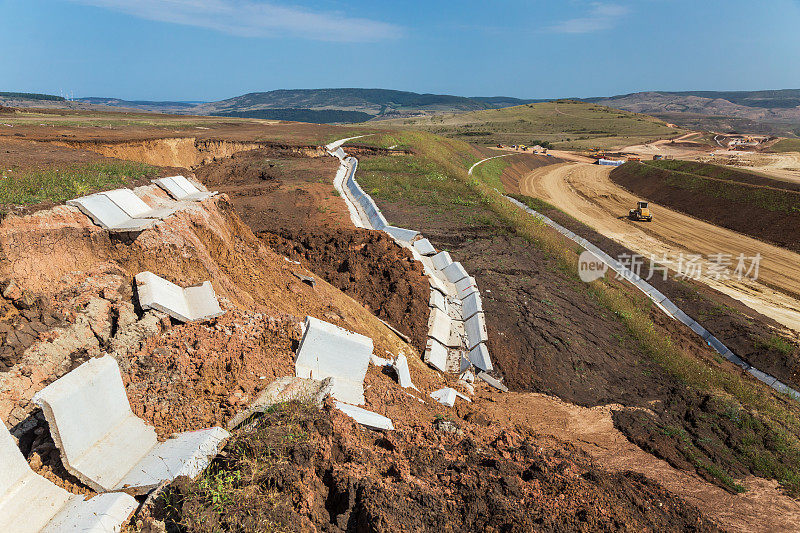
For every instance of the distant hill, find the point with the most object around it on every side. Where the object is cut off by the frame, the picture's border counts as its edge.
(144, 105)
(768, 112)
(562, 123)
(369, 103)
(30, 96)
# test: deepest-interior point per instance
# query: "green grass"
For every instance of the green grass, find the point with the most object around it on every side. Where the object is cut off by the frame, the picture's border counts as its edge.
(776, 343)
(786, 145)
(29, 187)
(566, 124)
(490, 171)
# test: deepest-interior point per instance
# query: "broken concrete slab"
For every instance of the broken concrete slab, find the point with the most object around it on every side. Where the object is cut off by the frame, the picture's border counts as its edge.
(496, 383)
(285, 389)
(471, 305)
(182, 189)
(108, 215)
(365, 418)
(446, 396)
(105, 445)
(455, 272)
(29, 503)
(476, 330)
(436, 355)
(424, 247)
(465, 363)
(439, 326)
(401, 234)
(441, 260)
(403, 373)
(479, 356)
(438, 301)
(186, 305)
(380, 361)
(135, 207)
(466, 286)
(326, 350)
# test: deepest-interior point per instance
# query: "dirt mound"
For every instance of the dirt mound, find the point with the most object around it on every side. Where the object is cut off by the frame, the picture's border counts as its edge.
(368, 266)
(758, 210)
(23, 321)
(301, 469)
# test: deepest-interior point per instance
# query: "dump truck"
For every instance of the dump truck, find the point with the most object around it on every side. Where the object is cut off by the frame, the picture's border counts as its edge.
(642, 212)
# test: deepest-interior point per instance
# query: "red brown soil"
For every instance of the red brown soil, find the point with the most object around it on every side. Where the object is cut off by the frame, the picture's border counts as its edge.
(22, 322)
(332, 475)
(743, 330)
(746, 216)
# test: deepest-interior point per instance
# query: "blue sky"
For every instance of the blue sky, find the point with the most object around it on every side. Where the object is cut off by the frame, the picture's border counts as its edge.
(215, 49)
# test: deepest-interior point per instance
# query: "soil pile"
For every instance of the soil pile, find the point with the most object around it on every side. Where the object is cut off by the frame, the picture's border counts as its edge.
(759, 210)
(368, 266)
(22, 321)
(301, 469)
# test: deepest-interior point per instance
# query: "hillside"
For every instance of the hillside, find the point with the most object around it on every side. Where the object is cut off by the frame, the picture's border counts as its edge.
(564, 123)
(766, 112)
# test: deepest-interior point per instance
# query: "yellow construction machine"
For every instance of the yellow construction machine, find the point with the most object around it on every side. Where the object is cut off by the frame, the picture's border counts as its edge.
(642, 212)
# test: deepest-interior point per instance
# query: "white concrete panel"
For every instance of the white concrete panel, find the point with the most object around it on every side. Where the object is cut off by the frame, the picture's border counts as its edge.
(108, 215)
(439, 326)
(365, 418)
(327, 350)
(466, 286)
(424, 247)
(203, 303)
(471, 305)
(476, 330)
(497, 384)
(465, 363)
(455, 272)
(186, 305)
(177, 188)
(135, 207)
(479, 356)
(104, 444)
(401, 234)
(403, 373)
(103, 513)
(436, 355)
(441, 260)
(446, 396)
(438, 301)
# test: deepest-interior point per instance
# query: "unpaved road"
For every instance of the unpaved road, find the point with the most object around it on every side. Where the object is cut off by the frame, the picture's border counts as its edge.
(586, 192)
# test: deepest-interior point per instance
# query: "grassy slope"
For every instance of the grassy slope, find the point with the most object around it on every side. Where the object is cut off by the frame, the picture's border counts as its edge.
(437, 176)
(566, 124)
(786, 145)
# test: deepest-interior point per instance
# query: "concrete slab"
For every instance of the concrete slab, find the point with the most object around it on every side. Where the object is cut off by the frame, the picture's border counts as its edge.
(105, 445)
(441, 260)
(108, 215)
(471, 305)
(455, 272)
(327, 350)
(496, 383)
(465, 363)
(476, 330)
(438, 301)
(466, 286)
(479, 356)
(446, 396)
(365, 418)
(182, 189)
(282, 390)
(424, 247)
(403, 373)
(30, 503)
(436, 355)
(439, 326)
(186, 305)
(135, 207)
(401, 234)
(761, 376)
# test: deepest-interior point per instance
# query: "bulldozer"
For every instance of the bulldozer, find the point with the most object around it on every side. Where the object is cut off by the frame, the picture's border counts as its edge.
(642, 212)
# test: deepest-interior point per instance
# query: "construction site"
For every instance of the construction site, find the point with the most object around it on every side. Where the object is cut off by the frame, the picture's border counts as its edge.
(216, 324)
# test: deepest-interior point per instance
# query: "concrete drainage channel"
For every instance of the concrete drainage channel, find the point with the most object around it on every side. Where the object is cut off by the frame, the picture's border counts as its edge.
(457, 327)
(663, 303)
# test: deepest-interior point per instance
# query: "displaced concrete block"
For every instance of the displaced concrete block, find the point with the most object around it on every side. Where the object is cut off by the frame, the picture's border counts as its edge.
(471, 305)
(401, 234)
(446, 396)
(365, 418)
(108, 215)
(380, 361)
(327, 350)
(424, 247)
(438, 301)
(436, 355)
(454, 272)
(466, 286)
(476, 330)
(441, 260)
(479, 356)
(186, 305)
(181, 188)
(29, 503)
(403, 373)
(105, 445)
(439, 326)
(497, 384)
(135, 207)
(465, 363)
(283, 390)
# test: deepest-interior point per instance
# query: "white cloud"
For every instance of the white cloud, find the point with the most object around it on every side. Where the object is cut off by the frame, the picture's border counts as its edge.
(599, 17)
(252, 18)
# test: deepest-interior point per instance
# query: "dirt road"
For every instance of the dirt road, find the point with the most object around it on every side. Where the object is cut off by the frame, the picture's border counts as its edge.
(586, 192)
